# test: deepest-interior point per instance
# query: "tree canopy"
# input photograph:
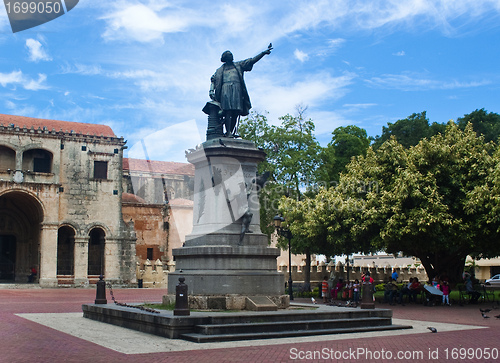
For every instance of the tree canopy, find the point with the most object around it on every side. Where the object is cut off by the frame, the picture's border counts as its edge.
(409, 131)
(433, 200)
(292, 159)
(347, 142)
(484, 123)
(426, 190)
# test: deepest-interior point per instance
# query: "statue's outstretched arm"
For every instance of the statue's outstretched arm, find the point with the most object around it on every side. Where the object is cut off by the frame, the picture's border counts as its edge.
(259, 56)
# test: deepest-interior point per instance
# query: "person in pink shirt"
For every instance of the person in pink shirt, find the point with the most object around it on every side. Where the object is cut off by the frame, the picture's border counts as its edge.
(445, 288)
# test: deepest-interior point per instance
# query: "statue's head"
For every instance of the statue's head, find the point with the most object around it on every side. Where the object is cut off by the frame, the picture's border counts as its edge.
(227, 56)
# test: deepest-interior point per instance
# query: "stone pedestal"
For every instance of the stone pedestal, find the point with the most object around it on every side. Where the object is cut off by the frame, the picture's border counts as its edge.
(367, 296)
(226, 253)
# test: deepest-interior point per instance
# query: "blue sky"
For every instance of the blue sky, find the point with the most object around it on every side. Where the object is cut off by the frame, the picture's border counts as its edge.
(144, 67)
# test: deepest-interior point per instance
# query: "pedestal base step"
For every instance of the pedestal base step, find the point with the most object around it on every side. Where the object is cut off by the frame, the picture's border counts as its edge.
(207, 333)
(226, 326)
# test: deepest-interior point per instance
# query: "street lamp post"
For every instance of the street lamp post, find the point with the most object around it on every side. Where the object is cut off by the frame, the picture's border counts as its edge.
(285, 232)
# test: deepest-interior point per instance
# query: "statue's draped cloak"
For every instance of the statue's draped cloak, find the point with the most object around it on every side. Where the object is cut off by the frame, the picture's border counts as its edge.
(233, 95)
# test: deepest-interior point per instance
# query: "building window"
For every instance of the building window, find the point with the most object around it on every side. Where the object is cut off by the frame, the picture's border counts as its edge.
(7, 158)
(41, 165)
(150, 254)
(37, 160)
(100, 170)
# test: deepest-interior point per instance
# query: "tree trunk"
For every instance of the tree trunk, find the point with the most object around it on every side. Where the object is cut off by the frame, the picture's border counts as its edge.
(450, 268)
(307, 272)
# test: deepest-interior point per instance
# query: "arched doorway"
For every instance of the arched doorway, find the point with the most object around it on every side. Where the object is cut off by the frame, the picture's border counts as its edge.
(7, 257)
(97, 239)
(21, 215)
(65, 250)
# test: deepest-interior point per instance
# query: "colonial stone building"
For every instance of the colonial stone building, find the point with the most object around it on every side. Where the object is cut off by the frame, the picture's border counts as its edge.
(158, 199)
(61, 203)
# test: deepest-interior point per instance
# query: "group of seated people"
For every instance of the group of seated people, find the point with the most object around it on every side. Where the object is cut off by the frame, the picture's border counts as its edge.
(412, 289)
(469, 287)
(437, 289)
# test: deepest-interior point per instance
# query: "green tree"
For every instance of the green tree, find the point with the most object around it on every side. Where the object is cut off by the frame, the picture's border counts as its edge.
(347, 141)
(327, 217)
(483, 205)
(292, 159)
(484, 123)
(409, 131)
(423, 203)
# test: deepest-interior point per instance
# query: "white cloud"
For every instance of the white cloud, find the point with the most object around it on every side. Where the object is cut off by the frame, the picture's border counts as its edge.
(84, 69)
(168, 143)
(142, 23)
(312, 92)
(16, 78)
(33, 85)
(300, 55)
(447, 15)
(358, 105)
(335, 43)
(413, 82)
(238, 17)
(36, 52)
(13, 77)
(400, 54)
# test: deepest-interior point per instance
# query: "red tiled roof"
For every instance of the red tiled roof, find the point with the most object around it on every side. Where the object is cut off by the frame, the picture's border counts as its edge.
(158, 167)
(66, 126)
(132, 198)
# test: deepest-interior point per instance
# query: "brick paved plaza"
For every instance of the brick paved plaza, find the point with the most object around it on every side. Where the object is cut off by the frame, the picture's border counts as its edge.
(26, 336)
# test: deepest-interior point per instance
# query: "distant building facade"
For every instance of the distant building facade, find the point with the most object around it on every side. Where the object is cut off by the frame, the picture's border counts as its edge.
(60, 203)
(73, 208)
(157, 198)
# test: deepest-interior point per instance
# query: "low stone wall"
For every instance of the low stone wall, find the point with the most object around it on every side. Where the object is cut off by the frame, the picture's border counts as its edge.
(334, 272)
(226, 302)
(152, 274)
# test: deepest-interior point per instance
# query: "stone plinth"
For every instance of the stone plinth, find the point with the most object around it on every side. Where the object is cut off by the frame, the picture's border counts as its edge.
(217, 258)
(367, 296)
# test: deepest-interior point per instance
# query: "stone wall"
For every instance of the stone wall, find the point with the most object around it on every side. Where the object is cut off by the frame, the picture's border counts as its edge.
(379, 274)
(152, 274)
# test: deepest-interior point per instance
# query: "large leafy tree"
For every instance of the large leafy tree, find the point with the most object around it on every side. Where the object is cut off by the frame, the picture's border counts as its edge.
(329, 217)
(484, 123)
(292, 160)
(347, 142)
(409, 131)
(423, 203)
(483, 205)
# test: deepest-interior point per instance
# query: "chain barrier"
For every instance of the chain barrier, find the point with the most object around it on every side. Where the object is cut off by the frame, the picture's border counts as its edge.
(143, 308)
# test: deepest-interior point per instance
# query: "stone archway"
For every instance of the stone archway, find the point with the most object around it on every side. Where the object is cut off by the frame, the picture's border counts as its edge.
(21, 215)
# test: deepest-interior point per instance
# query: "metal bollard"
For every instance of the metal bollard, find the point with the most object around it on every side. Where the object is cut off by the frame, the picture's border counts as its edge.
(181, 298)
(100, 296)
